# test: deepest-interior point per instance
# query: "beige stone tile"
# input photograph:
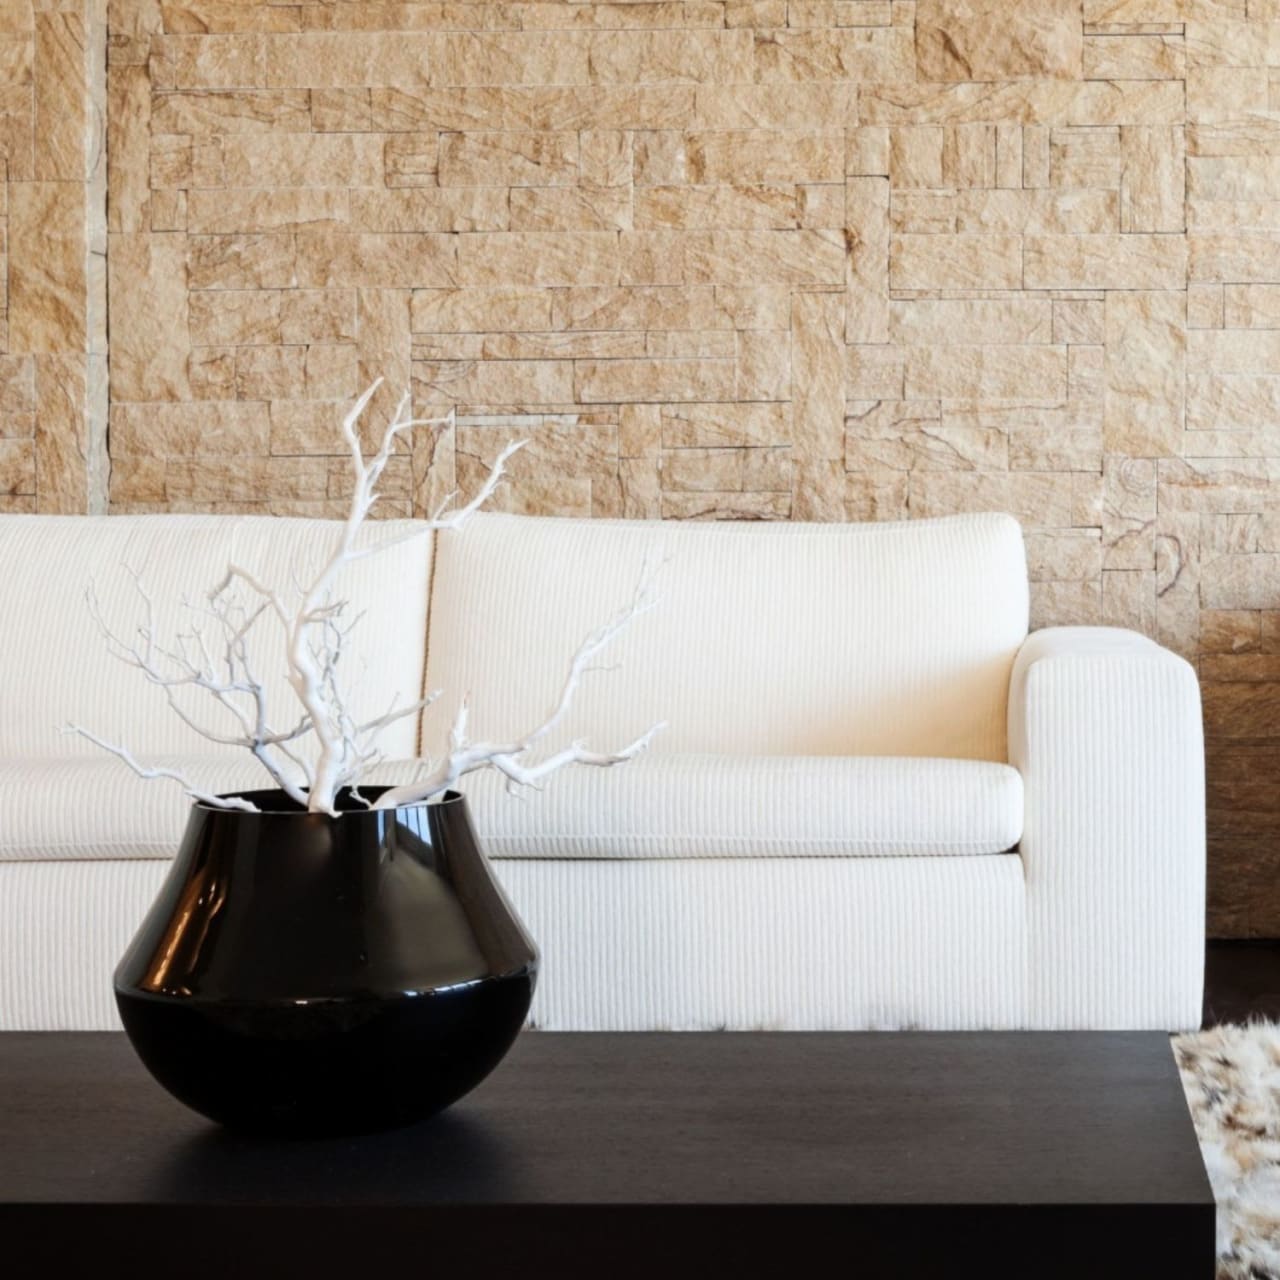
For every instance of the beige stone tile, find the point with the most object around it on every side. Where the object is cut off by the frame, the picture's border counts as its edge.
(545, 107)
(495, 382)
(210, 62)
(1064, 555)
(1129, 599)
(955, 262)
(1062, 102)
(136, 480)
(339, 110)
(867, 151)
(1145, 362)
(771, 471)
(1241, 257)
(1105, 261)
(168, 211)
(639, 431)
(211, 373)
(725, 207)
(1074, 212)
(615, 381)
(17, 468)
(537, 258)
(817, 341)
(383, 338)
(1135, 57)
(1231, 402)
(179, 161)
(851, 53)
(763, 155)
(270, 373)
(128, 127)
(1230, 631)
(317, 315)
(17, 58)
(987, 373)
(764, 365)
(702, 470)
(477, 310)
(1240, 582)
(988, 40)
(867, 293)
(329, 259)
(1070, 604)
(209, 113)
(919, 443)
(661, 308)
(1078, 320)
(507, 159)
(797, 257)
(1035, 155)
(875, 496)
(430, 209)
(969, 156)
(783, 105)
(1009, 155)
(332, 371)
(1128, 512)
(61, 97)
(17, 395)
(1205, 307)
(1233, 351)
(234, 317)
(728, 425)
(240, 261)
(570, 209)
(1138, 11)
(926, 321)
(819, 489)
(1038, 501)
(656, 57)
(915, 156)
(230, 210)
(47, 251)
(726, 506)
(61, 446)
(1088, 158)
(1216, 485)
(875, 372)
(181, 430)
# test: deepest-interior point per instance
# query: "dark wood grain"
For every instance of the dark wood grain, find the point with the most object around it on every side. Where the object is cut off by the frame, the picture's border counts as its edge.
(636, 1154)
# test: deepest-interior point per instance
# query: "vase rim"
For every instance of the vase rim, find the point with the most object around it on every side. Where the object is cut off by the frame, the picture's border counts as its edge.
(272, 802)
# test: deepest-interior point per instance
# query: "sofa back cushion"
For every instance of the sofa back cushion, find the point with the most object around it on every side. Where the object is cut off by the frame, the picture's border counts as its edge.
(56, 666)
(768, 639)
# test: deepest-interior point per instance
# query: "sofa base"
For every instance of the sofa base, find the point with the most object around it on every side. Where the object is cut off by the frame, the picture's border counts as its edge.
(764, 943)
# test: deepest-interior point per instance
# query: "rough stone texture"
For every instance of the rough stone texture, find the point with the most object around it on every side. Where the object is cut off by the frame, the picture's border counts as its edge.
(825, 259)
(52, 244)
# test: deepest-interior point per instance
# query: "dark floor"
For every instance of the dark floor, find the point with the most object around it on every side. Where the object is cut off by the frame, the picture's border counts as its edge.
(1241, 981)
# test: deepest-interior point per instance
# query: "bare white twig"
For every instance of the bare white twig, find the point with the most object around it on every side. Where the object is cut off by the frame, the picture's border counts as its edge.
(314, 633)
(146, 771)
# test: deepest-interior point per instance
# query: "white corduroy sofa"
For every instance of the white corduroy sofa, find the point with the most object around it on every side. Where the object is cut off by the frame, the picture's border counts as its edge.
(879, 803)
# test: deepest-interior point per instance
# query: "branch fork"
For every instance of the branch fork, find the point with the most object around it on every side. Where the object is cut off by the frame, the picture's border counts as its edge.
(313, 632)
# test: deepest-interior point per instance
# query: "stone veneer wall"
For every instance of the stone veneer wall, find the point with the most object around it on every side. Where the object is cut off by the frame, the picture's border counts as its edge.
(785, 259)
(53, 388)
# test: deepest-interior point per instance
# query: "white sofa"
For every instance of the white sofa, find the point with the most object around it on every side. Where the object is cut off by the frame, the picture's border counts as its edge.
(879, 803)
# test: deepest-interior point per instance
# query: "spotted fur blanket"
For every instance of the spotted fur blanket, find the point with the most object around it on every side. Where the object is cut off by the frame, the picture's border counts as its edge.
(1232, 1080)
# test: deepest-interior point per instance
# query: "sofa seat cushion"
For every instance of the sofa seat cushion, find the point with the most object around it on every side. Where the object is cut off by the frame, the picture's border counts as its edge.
(654, 807)
(721, 806)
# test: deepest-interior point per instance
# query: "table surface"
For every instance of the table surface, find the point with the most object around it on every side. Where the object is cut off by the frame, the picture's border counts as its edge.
(794, 1119)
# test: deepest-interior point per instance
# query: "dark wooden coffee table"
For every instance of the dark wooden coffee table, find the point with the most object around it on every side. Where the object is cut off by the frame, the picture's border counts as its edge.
(607, 1156)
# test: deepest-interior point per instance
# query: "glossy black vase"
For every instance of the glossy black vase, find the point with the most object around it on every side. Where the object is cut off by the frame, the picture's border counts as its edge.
(310, 975)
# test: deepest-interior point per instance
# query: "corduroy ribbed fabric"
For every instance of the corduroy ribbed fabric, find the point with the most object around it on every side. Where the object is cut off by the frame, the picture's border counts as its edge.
(787, 639)
(687, 806)
(57, 666)
(792, 943)
(1105, 727)
(775, 943)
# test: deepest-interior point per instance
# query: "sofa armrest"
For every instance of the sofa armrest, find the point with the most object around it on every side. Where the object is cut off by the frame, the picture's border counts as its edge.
(1105, 728)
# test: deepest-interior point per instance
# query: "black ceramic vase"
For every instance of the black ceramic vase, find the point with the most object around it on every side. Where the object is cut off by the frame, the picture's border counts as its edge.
(310, 975)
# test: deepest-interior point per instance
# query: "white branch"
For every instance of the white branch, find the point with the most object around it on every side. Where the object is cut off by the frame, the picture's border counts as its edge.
(146, 771)
(465, 757)
(314, 634)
